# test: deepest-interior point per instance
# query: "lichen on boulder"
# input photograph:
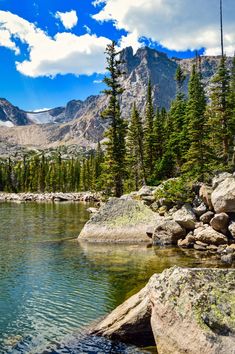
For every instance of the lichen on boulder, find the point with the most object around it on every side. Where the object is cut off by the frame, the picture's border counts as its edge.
(189, 310)
(119, 220)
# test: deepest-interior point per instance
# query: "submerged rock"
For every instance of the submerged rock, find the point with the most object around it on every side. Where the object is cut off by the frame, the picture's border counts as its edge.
(119, 221)
(186, 310)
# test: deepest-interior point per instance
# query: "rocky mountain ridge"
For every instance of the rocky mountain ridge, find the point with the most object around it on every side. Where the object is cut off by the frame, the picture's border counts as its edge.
(80, 123)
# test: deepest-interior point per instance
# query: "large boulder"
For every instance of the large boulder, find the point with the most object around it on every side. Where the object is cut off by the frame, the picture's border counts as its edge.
(188, 311)
(193, 311)
(220, 222)
(167, 232)
(119, 221)
(185, 217)
(223, 197)
(211, 237)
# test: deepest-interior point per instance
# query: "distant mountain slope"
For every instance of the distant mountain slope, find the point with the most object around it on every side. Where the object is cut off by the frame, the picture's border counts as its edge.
(80, 123)
(11, 115)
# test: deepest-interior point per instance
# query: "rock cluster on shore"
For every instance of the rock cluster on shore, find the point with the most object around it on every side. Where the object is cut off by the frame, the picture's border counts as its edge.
(50, 197)
(183, 310)
(207, 224)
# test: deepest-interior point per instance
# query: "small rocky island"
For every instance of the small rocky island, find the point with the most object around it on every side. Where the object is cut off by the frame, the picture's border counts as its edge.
(181, 310)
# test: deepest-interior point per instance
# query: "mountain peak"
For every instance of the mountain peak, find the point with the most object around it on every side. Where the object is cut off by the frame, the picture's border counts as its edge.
(81, 119)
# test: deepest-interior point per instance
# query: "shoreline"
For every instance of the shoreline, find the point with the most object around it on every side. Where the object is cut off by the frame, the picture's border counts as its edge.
(50, 197)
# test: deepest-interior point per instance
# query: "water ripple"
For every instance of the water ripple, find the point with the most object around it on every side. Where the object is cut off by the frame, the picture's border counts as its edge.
(52, 286)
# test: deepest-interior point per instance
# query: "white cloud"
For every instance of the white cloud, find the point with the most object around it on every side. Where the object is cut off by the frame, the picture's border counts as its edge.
(69, 19)
(64, 53)
(130, 40)
(97, 81)
(176, 25)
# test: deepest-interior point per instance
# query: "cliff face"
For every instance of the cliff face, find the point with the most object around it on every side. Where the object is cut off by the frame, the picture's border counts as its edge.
(11, 115)
(147, 64)
(80, 123)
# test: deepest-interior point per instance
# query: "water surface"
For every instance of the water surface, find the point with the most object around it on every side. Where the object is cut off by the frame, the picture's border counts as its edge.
(51, 286)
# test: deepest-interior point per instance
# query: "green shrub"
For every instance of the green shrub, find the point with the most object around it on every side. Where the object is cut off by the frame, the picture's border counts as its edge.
(177, 190)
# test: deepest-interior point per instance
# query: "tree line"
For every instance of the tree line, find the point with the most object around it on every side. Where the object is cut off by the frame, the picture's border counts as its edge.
(38, 173)
(193, 139)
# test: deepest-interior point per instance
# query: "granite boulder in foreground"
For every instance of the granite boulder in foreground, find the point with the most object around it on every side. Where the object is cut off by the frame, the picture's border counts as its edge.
(186, 311)
(119, 220)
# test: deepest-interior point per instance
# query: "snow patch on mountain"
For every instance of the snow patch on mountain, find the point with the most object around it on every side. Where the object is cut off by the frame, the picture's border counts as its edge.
(40, 117)
(7, 124)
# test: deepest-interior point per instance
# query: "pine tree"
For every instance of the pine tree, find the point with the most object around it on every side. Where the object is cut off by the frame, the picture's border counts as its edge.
(196, 127)
(149, 134)
(221, 124)
(99, 159)
(160, 138)
(159, 133)
(135, 153)
(114, 160)
(42, 174)
(177, 139)
(232, 107)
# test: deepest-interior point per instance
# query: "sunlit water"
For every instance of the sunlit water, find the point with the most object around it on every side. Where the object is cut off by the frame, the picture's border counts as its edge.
(51, 286)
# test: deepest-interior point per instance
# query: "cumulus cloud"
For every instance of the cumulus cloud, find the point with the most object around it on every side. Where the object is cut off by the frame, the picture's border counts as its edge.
(130, 40)
(64, 53)
(177, 25)
(69, 19)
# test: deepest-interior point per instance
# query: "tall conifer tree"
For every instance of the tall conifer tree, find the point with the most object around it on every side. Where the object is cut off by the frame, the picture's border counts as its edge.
(176, 139)
(135, 154)
(221, 125)
(115, 156)
(196, 127)
(149, 133)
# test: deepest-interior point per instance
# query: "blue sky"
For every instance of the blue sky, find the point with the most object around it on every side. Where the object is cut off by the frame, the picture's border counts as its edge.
(53, 51)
